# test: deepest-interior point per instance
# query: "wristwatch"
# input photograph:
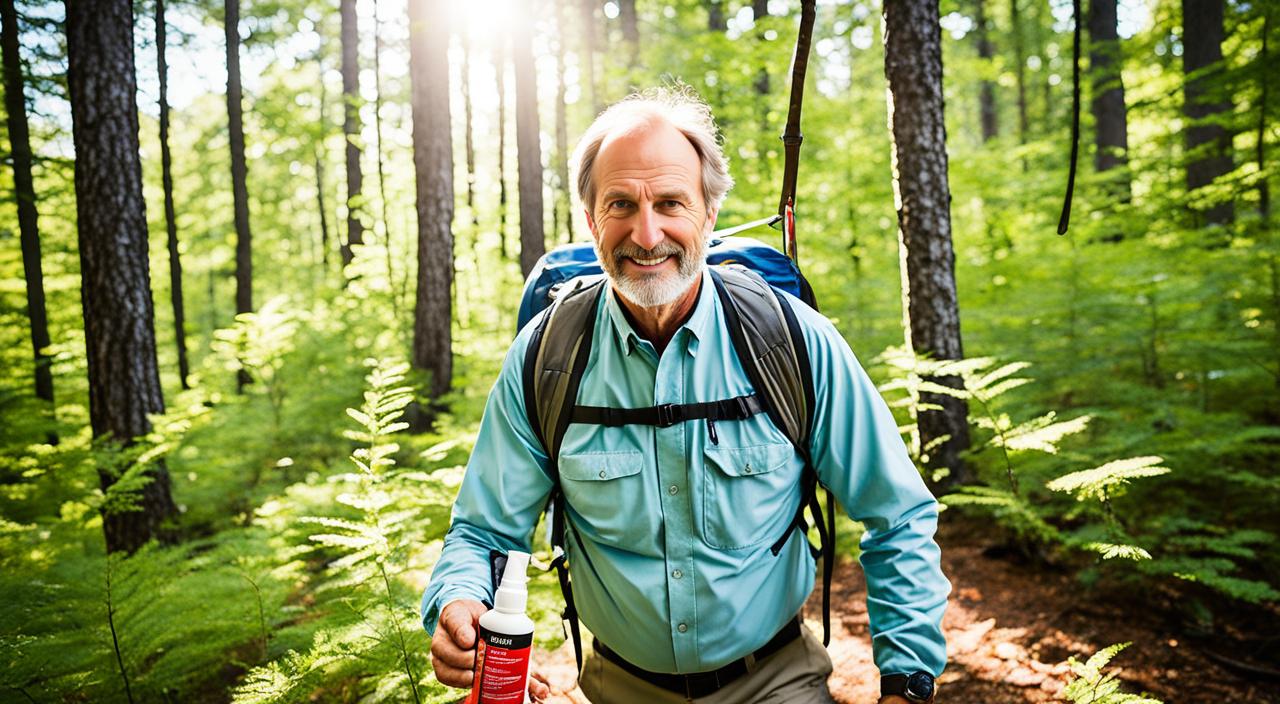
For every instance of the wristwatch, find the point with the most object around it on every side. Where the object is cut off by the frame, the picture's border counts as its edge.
(916, 687)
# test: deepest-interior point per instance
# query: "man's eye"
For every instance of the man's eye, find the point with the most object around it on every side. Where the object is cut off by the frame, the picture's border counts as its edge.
(619, 203)
(671, 203)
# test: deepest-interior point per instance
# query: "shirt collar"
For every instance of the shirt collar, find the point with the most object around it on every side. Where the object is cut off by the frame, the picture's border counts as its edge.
(697, 324)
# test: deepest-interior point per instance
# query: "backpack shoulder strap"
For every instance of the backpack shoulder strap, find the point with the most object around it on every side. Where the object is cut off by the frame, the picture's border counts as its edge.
(555, 360)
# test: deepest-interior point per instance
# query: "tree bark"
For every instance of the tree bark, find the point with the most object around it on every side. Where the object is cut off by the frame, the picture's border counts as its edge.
(1208, 145)
(351, 125)
(500, 71)
(760, 10)
(469, 136)
(1264, 189)
(564, 196)
(239, 172)
(170, 219)
(25, 194)
(987, 90)
(587, 11)
(630, 30)
(716, 21)
(433, 166)
(124, 383)
(382, 174)
(1020, 72)
(1111, 140)
(321, 156)
(528, 149)
(913, 66)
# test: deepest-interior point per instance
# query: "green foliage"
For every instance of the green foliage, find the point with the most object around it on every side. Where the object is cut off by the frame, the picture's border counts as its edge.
(1093, 686)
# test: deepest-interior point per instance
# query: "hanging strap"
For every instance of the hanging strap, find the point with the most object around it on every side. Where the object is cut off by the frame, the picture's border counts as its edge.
(791, 136)
(1065, 219)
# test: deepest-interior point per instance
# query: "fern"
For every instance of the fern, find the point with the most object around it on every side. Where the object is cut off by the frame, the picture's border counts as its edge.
(1093, 686)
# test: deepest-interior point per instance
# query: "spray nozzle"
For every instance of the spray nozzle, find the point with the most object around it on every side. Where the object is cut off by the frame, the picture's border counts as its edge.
(511, 594)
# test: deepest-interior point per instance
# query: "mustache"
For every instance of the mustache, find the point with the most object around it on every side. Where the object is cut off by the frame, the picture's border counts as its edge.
(632, 251)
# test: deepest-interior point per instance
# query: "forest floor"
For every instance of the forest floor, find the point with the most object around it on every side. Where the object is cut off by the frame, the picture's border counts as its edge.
(1010, 627)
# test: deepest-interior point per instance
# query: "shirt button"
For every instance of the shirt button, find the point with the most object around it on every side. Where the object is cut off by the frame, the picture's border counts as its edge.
(746, 471)
(673, 489)
(682, 628)
(677, 574)
(602, 474)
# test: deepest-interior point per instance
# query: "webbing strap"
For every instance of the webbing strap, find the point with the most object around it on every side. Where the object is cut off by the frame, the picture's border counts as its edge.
(669, 414)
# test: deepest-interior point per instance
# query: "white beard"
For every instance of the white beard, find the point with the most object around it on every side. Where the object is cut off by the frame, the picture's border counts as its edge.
(658, 288)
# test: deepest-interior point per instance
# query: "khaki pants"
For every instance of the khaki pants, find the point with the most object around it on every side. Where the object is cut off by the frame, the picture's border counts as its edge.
(795, 674)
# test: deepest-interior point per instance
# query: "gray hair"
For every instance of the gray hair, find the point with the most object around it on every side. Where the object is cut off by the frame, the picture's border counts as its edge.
(679, 106)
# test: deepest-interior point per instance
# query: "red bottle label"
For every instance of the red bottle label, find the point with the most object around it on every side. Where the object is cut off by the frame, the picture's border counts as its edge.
(502, 668)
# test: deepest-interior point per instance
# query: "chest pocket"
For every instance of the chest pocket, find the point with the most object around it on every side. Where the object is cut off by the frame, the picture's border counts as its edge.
(607, 490)
(749, 494)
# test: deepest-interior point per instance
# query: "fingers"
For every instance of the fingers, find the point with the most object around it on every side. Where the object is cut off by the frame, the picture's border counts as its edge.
(539, 687)
(453, 652)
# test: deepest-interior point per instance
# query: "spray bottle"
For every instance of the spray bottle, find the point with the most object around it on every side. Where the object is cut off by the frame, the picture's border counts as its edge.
(505, 640)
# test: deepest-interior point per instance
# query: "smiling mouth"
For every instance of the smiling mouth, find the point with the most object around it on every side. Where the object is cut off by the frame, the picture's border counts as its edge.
(649, 262)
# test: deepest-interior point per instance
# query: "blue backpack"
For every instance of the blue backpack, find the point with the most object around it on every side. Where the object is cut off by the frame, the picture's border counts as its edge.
(567, 282)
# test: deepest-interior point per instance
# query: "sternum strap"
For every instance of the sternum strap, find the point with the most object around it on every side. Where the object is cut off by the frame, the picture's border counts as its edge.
(669, 414)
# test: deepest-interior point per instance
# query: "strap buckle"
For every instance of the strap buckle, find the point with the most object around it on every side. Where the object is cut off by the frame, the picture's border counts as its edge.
(669, 414)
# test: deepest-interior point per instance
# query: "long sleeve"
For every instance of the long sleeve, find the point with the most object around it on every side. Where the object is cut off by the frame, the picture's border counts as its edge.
(860, 456)
(503, 493)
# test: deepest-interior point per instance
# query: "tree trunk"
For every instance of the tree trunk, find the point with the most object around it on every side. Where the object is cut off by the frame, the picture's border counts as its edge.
(469, 136)
(760, 10)
(433, 166)
(913, 65)
(351, 125)
(716, 21)
(124, 383)
(382, 174)
(987, 91)
(500, 71)
(588, 56)
(528, 150)
(564, 197)
(321, 156)
(1208, 145)
(1020, 72)
(25, 194)
(1111, 140)
(1264, 190)
(170, 219)
(239, 172)
(630, 30)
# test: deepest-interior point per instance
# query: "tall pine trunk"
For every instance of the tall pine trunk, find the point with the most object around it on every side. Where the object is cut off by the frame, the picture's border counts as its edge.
(1020, 71)
(1111, 138)
(24, 192)
(1208, 145)
(630, 30)
(321, 155)
(528, 149)
(170, 219)
(351, 125)
(115, 291)
(382, 173)
(564, 197)
(587, 58)
(433, 166)
(913, 65)
(239, 172)
(468, 136)
(987, 90)
(500, 74)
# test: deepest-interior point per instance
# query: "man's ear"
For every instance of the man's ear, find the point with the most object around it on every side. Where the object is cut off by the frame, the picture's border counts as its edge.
(710, 225)
(591, 223)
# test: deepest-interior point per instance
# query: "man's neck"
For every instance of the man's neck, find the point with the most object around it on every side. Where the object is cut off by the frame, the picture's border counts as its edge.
(659, 324)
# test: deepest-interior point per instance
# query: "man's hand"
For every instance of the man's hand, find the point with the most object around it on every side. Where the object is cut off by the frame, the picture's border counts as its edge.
(453, 647)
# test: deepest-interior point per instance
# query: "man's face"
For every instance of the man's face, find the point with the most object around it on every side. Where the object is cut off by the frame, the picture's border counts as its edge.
(649, 220)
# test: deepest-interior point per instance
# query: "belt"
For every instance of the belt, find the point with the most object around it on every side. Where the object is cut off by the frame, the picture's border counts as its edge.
(701, 684)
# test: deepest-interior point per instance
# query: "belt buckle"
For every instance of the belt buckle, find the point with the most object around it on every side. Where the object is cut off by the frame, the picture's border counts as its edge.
(667, 415)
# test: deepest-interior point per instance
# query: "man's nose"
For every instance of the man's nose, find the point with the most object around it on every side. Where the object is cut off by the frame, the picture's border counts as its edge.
(647, 233)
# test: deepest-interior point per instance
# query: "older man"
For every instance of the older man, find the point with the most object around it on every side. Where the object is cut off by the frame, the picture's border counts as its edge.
(671, 560)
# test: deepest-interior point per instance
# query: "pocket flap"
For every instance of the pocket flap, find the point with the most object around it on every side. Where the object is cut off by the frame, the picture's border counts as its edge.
(749, 461)
(601, 466)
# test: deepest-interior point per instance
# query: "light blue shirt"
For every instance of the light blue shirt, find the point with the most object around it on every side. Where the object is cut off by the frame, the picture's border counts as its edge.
(674, 571)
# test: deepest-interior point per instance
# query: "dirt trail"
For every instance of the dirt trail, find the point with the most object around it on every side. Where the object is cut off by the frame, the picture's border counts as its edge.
(1010, 629)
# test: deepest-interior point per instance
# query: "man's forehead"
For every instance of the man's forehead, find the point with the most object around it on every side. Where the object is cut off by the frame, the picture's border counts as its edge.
(654, 145)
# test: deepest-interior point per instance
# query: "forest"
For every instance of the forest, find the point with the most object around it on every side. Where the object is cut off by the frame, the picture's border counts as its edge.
(261, 262)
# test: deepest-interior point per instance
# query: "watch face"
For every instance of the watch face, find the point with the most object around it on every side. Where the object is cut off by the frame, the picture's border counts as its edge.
(919, 687)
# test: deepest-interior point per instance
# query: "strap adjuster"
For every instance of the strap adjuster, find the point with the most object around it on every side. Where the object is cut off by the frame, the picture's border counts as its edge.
(669, 414)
